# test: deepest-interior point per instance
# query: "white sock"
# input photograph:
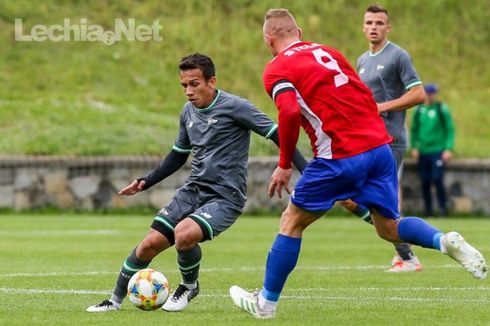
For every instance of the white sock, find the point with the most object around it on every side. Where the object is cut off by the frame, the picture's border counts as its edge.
(265, 304)
(441, 245)
(115, 303)
(190, 286)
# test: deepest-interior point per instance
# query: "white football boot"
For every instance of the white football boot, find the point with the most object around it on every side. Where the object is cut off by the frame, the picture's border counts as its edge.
(455, 246)
(180, 298)
(104, 306)
(249, 302)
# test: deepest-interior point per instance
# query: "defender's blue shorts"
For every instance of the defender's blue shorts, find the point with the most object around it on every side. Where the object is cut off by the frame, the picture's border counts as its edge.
(370, 179)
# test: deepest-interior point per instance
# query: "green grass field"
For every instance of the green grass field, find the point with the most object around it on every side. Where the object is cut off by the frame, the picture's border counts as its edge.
(88, 98)
(53, 267)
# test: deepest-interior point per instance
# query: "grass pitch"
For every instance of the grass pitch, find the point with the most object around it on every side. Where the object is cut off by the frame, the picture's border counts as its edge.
(53, 267)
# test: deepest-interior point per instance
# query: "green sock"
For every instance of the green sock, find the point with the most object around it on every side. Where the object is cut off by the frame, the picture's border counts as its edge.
(189, 262)
(131, 265)
(363, 213)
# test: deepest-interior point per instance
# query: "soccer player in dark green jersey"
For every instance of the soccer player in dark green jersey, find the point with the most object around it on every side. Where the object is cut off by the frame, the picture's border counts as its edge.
(215, 126)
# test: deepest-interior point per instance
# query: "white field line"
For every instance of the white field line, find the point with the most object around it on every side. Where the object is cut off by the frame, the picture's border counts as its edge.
(50, 291)
(221, 294)
(319, 268)
(51, 233)
(57, 274)
(229, 269)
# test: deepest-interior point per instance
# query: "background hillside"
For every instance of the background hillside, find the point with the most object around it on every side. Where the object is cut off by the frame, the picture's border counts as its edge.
(89, 98)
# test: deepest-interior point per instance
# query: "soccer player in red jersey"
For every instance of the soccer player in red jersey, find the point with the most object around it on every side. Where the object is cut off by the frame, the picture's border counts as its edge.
(314, 86)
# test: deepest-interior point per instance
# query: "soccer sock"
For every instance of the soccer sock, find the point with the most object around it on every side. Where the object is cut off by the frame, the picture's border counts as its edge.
(404, 251)
(131, 265)
(189, 262)
(363, 213)
(267, 305)
(416, 231)
(280, 263)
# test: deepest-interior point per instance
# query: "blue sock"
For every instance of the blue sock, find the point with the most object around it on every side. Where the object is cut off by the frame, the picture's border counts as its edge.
(280, 262)
(416, 231)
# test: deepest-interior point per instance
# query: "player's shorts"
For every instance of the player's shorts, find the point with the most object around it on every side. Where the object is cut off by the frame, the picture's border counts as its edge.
(369, 179)
(211, 211)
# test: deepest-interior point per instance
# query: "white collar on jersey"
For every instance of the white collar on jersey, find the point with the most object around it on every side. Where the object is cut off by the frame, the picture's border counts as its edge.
(287, 47)
(375, 54)
(291, 44)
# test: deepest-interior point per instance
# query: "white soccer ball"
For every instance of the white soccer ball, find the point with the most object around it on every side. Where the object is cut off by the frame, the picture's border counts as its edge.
(148, 289)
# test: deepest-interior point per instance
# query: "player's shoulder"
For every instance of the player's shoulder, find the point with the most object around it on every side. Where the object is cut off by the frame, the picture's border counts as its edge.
(229, 97)
(363, 56)
(274, 72)
(232, 101)
(276, 65)
(393, 49)
(186, 108)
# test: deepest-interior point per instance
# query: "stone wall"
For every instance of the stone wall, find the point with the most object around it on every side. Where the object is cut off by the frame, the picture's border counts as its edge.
(29, 182)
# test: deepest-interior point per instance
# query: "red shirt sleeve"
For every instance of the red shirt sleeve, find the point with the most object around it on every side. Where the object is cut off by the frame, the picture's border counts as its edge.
(283, 93)
(289, 126)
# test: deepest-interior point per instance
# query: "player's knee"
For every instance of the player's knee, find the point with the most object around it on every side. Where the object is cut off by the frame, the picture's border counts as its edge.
(291, 225)
(187, 236)
(146, 247)
(386, 228)
(151, 246)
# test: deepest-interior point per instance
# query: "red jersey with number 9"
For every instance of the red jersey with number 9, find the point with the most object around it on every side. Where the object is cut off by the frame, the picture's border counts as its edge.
(336, 108)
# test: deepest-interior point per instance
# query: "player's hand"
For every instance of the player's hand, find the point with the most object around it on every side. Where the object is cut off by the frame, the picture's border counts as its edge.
(279, 180)
(134, 187)
(446, 155)
(415, 154)
(382, 107)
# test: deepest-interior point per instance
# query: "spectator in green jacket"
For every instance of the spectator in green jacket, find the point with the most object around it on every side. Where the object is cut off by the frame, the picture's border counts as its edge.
(432, 141)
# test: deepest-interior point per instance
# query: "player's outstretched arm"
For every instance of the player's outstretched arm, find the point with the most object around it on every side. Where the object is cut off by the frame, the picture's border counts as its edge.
(132, 188)
(171, 163)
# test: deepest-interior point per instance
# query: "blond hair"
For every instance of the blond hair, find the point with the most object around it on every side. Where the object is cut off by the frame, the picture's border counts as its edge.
(280, 22)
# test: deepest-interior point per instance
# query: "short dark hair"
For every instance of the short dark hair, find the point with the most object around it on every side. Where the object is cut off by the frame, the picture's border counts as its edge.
(198, 61)
(375, 8)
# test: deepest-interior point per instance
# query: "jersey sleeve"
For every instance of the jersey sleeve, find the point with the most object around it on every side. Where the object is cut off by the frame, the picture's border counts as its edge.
(182, 143)
(252, 118)
(406, 71)
(276, 80)
(283, 93)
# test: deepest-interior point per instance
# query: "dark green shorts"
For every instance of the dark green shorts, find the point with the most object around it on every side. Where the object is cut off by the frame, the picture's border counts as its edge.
(211, 211)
